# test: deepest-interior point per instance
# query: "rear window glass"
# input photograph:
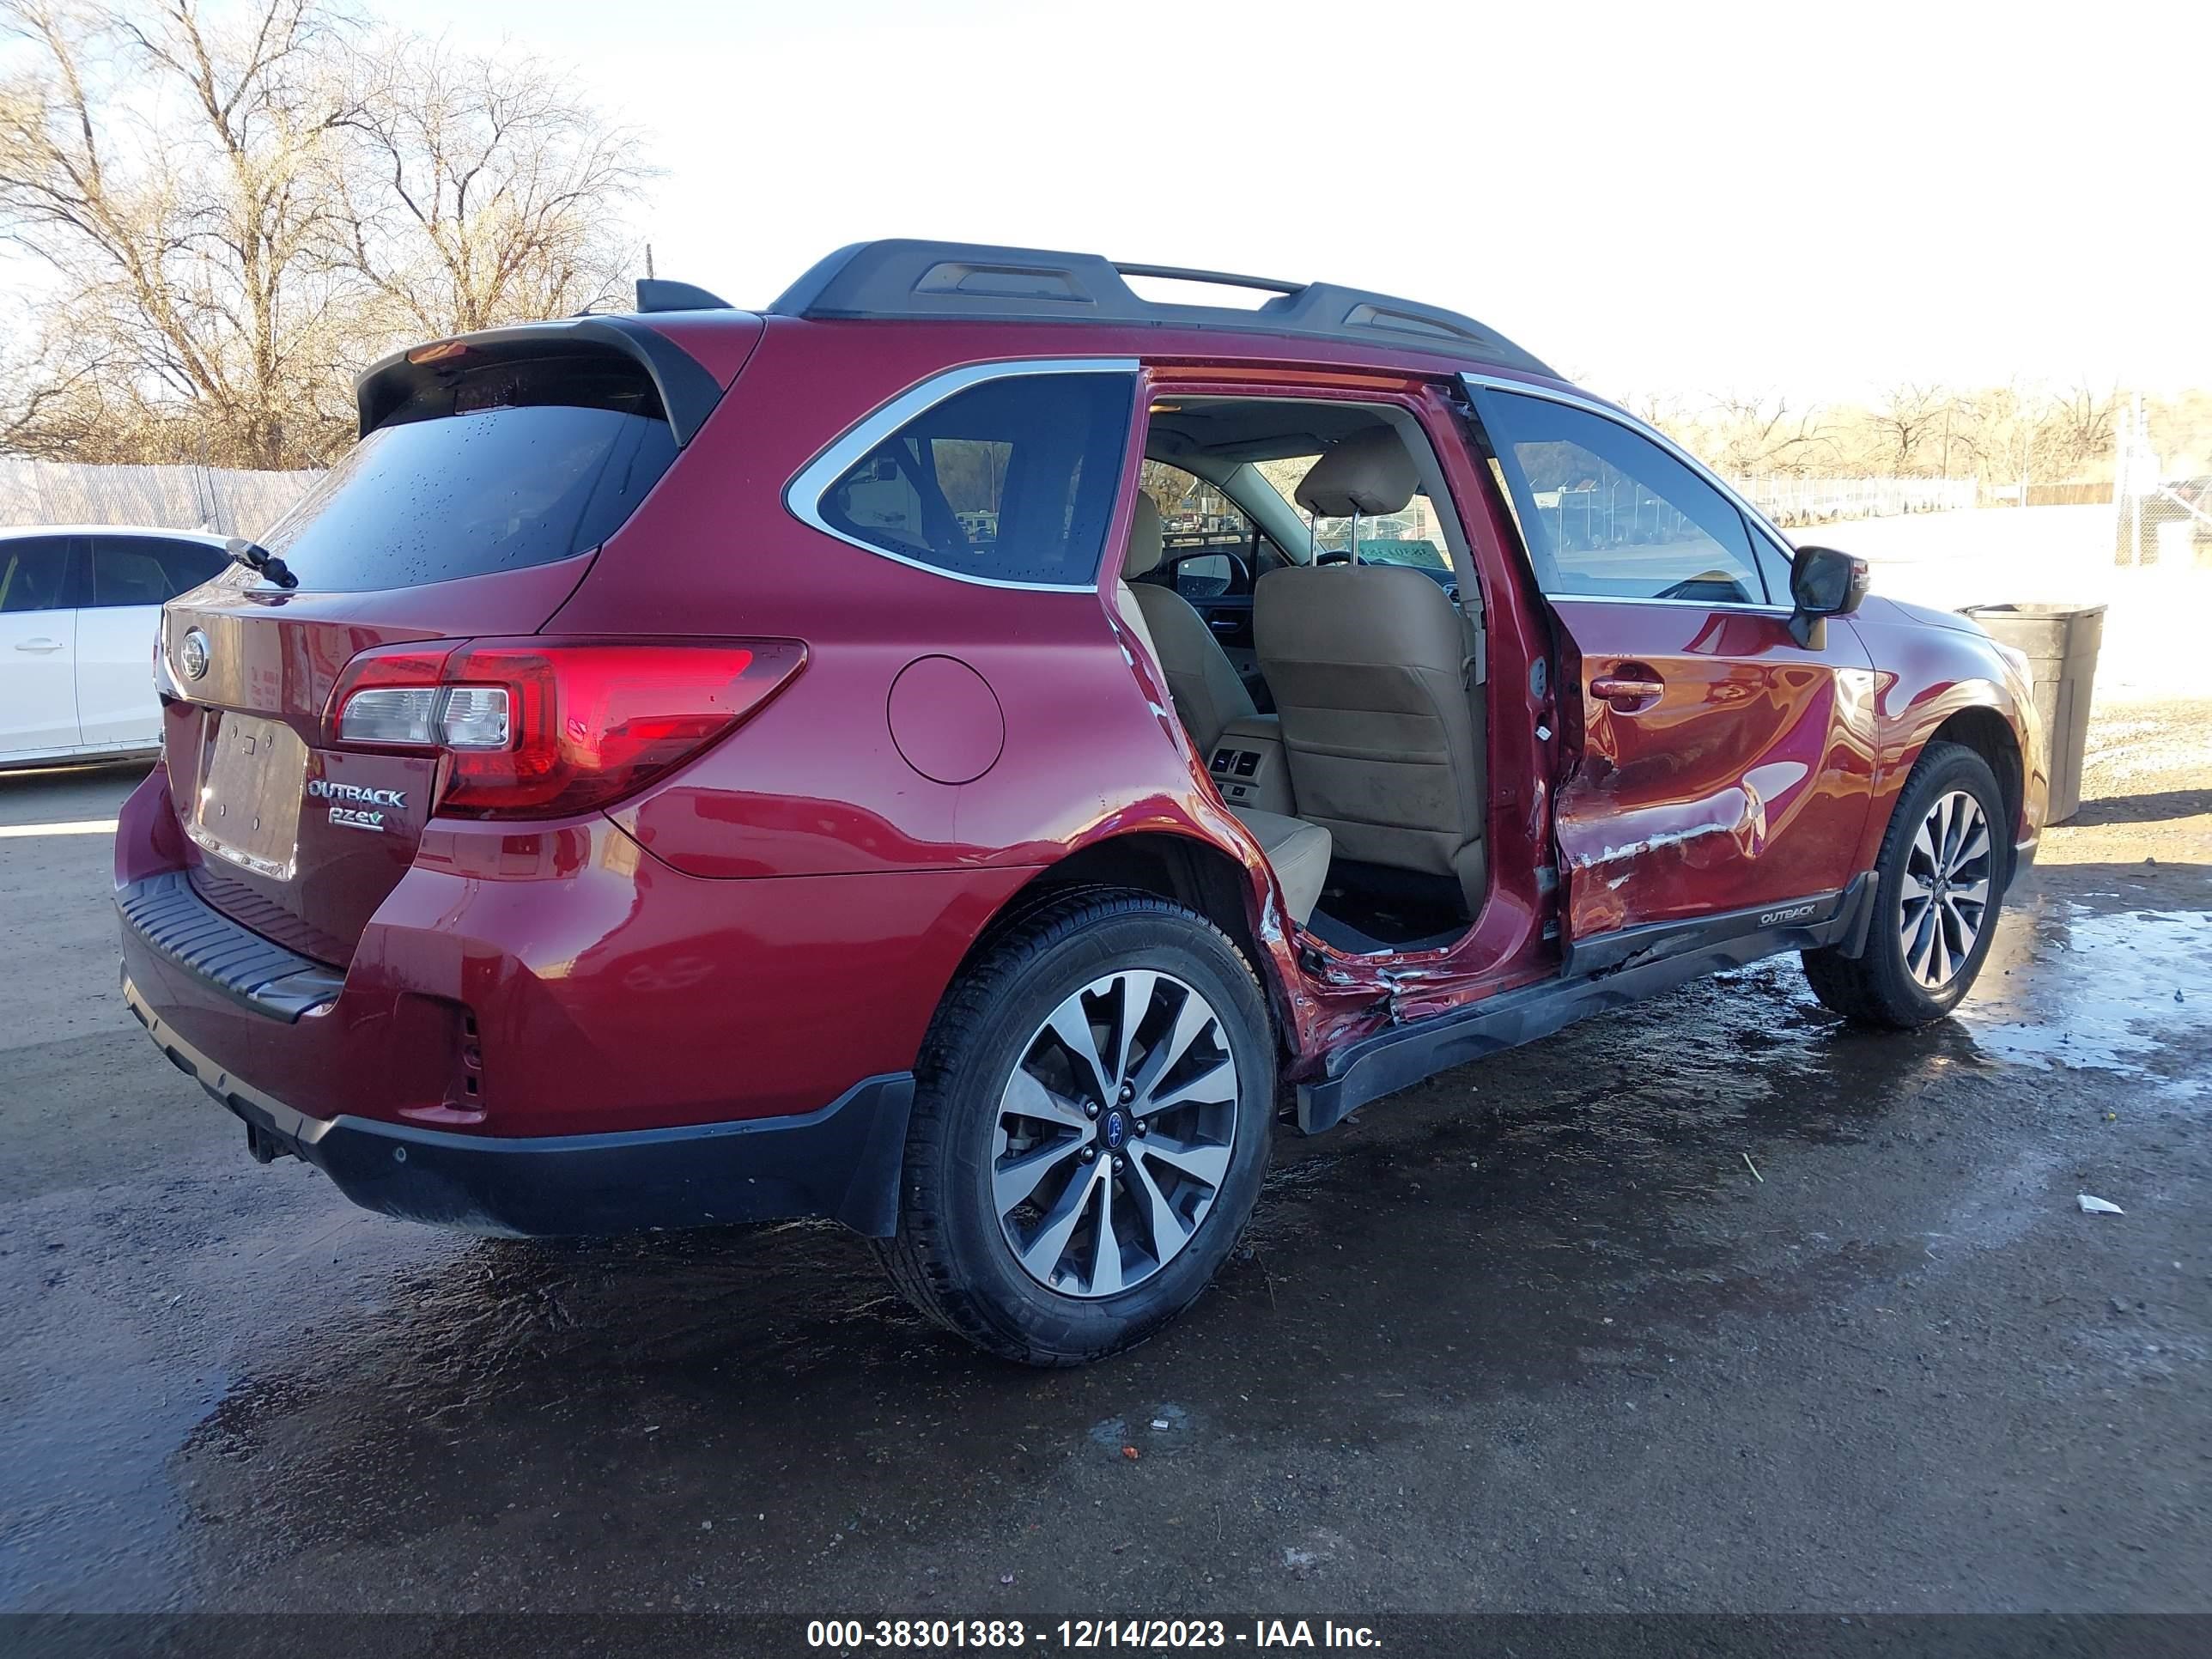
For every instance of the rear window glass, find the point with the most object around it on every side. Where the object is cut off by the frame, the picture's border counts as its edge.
(145, 570)
(1010, 481)
(33, 571)
(496, 469)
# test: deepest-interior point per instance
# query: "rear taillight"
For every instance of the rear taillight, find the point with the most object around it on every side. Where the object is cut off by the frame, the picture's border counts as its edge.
(542, 728)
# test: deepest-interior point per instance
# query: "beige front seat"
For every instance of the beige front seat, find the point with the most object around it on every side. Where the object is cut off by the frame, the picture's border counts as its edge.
(1371, 667)
(1207, 692)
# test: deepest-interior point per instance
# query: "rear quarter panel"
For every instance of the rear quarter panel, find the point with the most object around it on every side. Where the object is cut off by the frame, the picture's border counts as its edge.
(1062, 738)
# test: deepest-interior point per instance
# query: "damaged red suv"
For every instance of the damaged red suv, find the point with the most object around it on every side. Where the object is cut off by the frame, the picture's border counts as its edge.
(965, 749)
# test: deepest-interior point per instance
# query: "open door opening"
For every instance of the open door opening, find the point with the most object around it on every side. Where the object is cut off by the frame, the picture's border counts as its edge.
(1311, 594)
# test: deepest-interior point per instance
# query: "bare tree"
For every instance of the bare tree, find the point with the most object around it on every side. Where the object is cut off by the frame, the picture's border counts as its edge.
(1166, 483)
(483, 190)
(1663, 410)
(2001, 436)
(1751, 434)
(168, 166)
(237, 203)
(1908, 422)
(2007, 430)
(2081, 422)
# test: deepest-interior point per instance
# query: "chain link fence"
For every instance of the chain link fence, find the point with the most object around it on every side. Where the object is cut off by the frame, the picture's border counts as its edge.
(224, 501)
(1793, 500)
(2165, 517)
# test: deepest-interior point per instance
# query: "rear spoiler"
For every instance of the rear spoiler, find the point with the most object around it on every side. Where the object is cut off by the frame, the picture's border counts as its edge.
(687, 392)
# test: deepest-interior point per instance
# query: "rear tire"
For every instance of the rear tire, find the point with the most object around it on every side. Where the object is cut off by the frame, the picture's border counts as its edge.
(1056, 1206)
(1939, 881)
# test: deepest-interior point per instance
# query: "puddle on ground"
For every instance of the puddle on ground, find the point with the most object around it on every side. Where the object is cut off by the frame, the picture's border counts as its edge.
(2126, 991)
(741, 1406)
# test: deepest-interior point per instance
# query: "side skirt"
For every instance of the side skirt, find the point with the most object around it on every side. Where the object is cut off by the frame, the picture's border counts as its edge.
(1629, 966)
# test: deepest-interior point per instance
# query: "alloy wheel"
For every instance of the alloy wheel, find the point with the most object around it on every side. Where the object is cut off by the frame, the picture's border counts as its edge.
(1114, 1133)
(1945, 894)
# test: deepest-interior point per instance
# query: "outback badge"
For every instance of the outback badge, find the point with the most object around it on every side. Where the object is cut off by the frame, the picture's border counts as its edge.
(359, 807)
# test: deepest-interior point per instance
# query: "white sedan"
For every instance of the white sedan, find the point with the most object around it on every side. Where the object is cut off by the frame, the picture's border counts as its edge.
(79, 608)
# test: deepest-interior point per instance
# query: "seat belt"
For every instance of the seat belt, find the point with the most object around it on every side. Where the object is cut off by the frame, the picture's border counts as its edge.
(1474, 669)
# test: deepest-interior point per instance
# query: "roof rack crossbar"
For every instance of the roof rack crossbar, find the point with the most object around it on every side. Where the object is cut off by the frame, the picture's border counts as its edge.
(912, 279)
(1217, 278)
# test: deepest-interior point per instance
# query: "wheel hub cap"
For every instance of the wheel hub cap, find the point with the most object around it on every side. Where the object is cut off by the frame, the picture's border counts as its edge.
(1943, 901)
(1090, 1204)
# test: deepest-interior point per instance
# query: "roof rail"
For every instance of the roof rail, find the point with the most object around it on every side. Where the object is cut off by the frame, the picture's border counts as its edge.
(911, 279)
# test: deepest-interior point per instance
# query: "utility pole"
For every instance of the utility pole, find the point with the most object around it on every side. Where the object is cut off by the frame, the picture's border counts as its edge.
(2135, 485)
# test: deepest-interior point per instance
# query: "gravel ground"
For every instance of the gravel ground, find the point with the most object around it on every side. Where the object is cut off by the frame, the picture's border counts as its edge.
(1714, 1306)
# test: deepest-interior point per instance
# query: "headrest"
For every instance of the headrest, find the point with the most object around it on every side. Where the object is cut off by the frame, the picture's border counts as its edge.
(1144, 537)
(1369, 472)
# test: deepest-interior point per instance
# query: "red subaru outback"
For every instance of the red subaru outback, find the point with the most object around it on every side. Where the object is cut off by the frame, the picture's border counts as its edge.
(964, 750)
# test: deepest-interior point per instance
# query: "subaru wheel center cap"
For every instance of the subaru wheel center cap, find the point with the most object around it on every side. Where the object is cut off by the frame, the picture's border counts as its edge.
(1117, 1130)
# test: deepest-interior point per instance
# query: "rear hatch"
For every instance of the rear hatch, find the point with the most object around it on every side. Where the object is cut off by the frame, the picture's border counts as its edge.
(490, 471)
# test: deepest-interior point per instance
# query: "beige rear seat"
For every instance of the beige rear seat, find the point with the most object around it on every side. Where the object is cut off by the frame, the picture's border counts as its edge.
(1298, 850)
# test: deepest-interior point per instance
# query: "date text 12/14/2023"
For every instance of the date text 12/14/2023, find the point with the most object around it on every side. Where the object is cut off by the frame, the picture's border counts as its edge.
(955, 1635)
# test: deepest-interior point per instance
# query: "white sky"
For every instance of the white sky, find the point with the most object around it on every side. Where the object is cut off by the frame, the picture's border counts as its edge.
(1824, 199)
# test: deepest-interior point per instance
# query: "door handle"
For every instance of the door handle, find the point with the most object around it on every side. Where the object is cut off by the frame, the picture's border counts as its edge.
(1224, 624)
(1627, 694)
(40, 644)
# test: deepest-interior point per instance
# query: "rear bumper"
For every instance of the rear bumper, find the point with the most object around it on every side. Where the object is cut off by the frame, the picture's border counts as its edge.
(841, 1162)
(554, 983)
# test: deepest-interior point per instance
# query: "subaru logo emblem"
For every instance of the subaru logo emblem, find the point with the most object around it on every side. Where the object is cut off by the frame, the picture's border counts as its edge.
(192, 655)
(1117, 1131)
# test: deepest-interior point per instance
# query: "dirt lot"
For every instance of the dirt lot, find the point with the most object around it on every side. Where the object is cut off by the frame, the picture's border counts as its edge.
(1533, 1335)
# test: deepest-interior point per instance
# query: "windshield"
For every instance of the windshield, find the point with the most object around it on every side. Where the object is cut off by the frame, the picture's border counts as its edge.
(1414, 536)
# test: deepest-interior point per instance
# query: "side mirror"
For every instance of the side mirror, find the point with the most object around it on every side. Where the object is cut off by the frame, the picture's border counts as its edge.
(1823, 583)
(1210, 576)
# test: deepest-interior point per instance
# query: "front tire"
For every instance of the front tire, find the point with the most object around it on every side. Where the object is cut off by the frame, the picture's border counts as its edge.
(1940, 879)
(1092, 1115)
